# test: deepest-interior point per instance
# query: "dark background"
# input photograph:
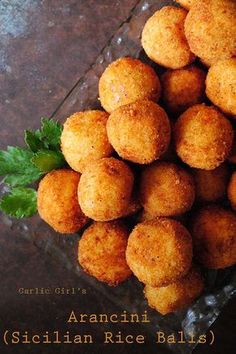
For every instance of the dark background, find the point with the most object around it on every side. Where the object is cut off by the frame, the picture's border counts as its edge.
(45, 48)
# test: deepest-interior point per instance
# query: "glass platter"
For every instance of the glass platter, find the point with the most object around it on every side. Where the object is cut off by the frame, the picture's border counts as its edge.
(220, 285)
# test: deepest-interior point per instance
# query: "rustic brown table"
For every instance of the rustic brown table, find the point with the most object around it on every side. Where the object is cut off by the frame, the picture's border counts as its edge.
(46, 46)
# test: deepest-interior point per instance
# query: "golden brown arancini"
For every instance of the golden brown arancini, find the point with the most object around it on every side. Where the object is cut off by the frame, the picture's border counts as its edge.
(101, 252)
(127, 80)
(58, 202)
(182, 88)
(139, 132)
(211, 185)
(163, 38)
(221, 85)
(214, 237)
(159, 251)
(231, 191)
(105, 189)
(177, 295)
(203, 137)
(210, 28)
(166, 189)
(84, 139)
(186, 3)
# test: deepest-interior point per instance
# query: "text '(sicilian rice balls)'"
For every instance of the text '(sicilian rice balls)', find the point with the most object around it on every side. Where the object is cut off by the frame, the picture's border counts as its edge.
(127, 80)
(159, 251)
(139, 132)
(84, 139)
(105, 189)
(177, 295)
(163, 38)
(182, 88)
(166, 189)
(210, 28)
(214, 237)
(221, 85)
(203, 137)
(101, 252)
(58, 202)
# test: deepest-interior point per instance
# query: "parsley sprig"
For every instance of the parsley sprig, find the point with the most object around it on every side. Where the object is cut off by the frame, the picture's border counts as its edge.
(20, 167)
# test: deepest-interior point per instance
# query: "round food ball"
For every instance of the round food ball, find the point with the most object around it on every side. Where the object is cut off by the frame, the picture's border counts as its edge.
(182, 88)
(203, 137)
(214, 237)
(84, 139)
(105, 189)
(232, 191)
(211, 185)
(127, 80)
(210, 28)
(101, 252)
(221, 85)
(139, 132)
(163, 38)
(166, 189)
(159, 251)
(58, 202)
(186, 3)
(177, 295)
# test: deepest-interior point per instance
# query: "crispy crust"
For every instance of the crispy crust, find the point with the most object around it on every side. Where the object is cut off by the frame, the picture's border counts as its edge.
(175, 296)
(210, 28)
(139, 132)
(159, 251)
(214, 237)
(182, 88)
(84, 139)
(203, 137)
(211, 185)
(163, 38)
(127, 80)
(221, 85)
(187, 4)
(105, 189)
(231, 191)
(166, 189)
(58, 203)
(101, 252)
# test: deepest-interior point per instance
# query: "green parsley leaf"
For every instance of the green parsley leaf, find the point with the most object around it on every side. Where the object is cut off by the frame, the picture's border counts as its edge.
(16, 165)
(32, 140)
(51, 132)
(19, 202)
(46, 160)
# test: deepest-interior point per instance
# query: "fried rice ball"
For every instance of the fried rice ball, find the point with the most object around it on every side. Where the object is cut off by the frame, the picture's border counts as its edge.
(159, 251)
(210, 28)
(211, 186)
(101, 252)
(221, 85)
(163, 38)
(84, 139)
(214, 237)
(139, 132)
(166, 189)
(127, 80)
(203, 137)
(177, 295)
(182, 88)
(231, 191)
(105, 189)
(58, 203)
(186, 3)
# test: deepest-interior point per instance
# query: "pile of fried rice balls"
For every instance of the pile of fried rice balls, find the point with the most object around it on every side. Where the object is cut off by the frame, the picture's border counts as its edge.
(151, 176)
